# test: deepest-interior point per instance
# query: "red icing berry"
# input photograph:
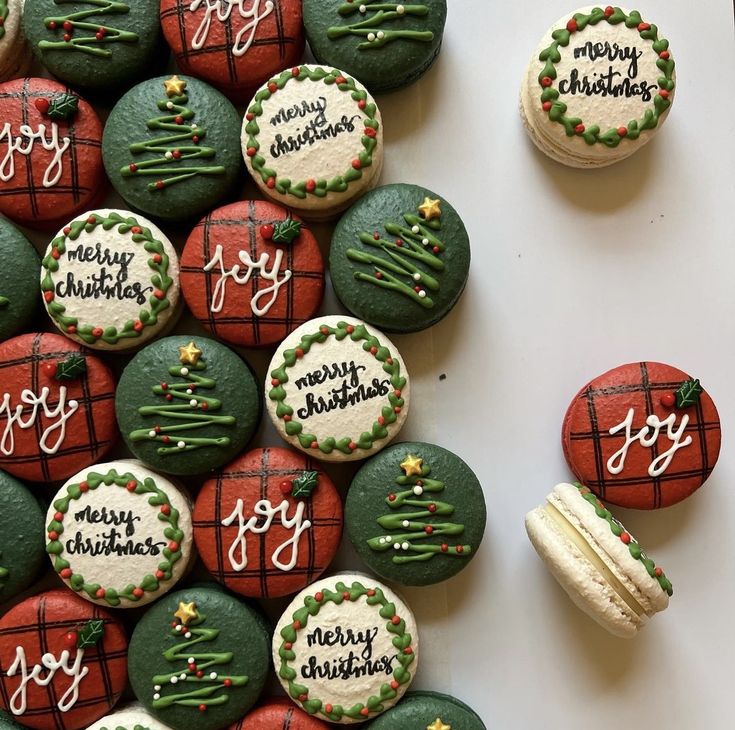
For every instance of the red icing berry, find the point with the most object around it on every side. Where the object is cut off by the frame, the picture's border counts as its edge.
(138, 326)
(381, 420)
(195, 139)
(138, 592)
(622, 131)
(202, 708)
(609, 10)
(193, 667)
(373, 350)
(83, 486)
(275, 382)
(362, 103)
(158, 294)
(371, 592)
(53, 535)
(160, 575)
(271, 183)
(352, 446)
(324, 330)
(296, 625)
(663, 93)
(399, 243)
(428, 529)
(299, 352)
(579, 129)
(70, 639)
(179, 119)
(314, 445)
(303, 697)
(55, 253)
(668, 400)
(48, 296)
(389, 361)
(200, 674)
(250, 116)
(67, 37)
(131, 486)
(52, 25)
(572, 26)
(100, 593)
(227, 682)
(658, 572)
(436, 249)
(396, 620)
(546, 106)
(71, 329)
(350, 329)
(365, 712)
(67, 25)
(58, 517)
(391, 497)
(287, 646)
(397, 409)
(99, 36)
(67, 231)
(133, 167)
(272, 87)
(340, 80)
(408, 650)
(370, 132)
(157, 258)
(431, 507)
(547, 81)
(665, 55)
(295, 71)
(66, 573)
(397, 393)
(92, 220)
(251, 152)
(460, 549)
(346, 595)
(625, 538)
(160, 185)
(42, 105)
(173, 546)
(394, 685)
(286, 417)
(49, 369)
(328, 708)
(286, 486)
(165, 509)
(310, 185)
(176, 154)
(445, 547)
(318, 596)
(356, 163)
(267, 231)
(643, 26)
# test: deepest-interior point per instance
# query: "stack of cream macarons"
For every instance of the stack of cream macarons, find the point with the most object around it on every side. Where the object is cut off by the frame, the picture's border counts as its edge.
(15, 56)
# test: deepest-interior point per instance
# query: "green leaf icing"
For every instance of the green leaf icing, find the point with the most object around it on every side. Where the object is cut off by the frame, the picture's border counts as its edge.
(4, 302)
(72, 368)
(304, 485)
(301, 617)
(407, 528)
(158, 264)
(4, 575)
(100, 36)
(371, 27)
(167, 514)
(557, 109)
(635, 549)
(688, 393)
(286, 231)
(90, 634)
(196, 413)
(4, 12)
(192, 690)
(63, 107)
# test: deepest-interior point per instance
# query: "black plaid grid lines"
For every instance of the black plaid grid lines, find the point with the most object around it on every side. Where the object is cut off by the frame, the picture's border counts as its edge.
(99, 690)
(586, 436)
(210, 533)
(82, 445)
(220, 55)
(73, 184)
(247, 328)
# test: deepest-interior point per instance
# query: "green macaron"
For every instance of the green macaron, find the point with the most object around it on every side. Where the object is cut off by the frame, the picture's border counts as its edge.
(430, 710)
(415, 513)
(171, 147)
(187, 405)
(400, 258)
(19, 283)
(7, 722)
(94, 43)
(385, 45)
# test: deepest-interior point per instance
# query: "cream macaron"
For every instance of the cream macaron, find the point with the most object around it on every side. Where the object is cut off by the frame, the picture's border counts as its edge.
(596, 561)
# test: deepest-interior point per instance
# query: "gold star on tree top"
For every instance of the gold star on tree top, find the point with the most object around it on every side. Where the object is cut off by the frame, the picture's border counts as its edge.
(186, 612)
(438, 725)
(189, 354)
(174, 86)
(430, 209)
(412, 466)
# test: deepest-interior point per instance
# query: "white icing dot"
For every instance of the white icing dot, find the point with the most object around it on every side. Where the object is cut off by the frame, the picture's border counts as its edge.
(388, 538)
(189, 391)
(169, 105)
(156, 696)
(157, 687)
(417, 277)
(73, 404)
(193, 402)
(405, 546)
(418, 491)
(422, 294)
(363, 9)
(415, 229)
(187, 635)
(400, 9)
(381, 35)
(371, 37)
(169, 155)
(406, 523)
(194, 126)
(174, 680)
(213, 675)
(181, 444)
(425, 241)
(179, 627)
(152, 434)
(397, 546)
(381, 541)
(184, 371)
(190, 660)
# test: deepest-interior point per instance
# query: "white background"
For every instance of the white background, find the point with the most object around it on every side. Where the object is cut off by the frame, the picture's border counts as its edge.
(573, 272)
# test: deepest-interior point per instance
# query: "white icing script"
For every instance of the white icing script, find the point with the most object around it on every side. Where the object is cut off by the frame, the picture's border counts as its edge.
(38, 403)
(24, 144)
(18, 701)
(223, 9)
(263, 508)
(659, 465)
(261, 266)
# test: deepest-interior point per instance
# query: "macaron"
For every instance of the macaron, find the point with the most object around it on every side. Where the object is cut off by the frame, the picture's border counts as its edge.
(400, 258)
(56, 407)
(337, 389)
(171, 147)
(63, 661)
(346, 649)
(430, 710)
(385, 45)
(15, 54)
(21, 538)
(199, 659)
(235, 46)
(19, 289)
(50, 161)
(119, 535)
(313, 140)
(596, 561)
(99, 44)
(598, 88)
(132, 717)
(269, 523)
(415, 513)
(7, 722)
(278, 714)
(252, 273)
(187, 405)
(110, 280)
(644, 435)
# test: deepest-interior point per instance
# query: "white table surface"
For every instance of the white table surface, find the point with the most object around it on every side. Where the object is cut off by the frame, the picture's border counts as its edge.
(573, 272)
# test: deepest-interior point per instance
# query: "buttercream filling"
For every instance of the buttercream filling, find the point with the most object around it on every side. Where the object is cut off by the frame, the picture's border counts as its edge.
(571, 531)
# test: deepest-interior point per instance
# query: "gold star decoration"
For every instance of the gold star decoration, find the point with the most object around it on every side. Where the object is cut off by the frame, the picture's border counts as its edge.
(174, 86)
(189, 354)
(438, 725)
(412, 466)
(186, 612)
(430, 209)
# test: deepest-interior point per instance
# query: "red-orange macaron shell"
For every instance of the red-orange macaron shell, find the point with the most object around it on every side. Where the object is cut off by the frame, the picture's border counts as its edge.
(279, 714)
(274, 543)
(641, 476)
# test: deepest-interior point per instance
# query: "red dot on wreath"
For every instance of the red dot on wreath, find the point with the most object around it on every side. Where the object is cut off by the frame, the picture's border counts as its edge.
(252, 152)
(658, 572)
(48, 296)
(100, 593)
(173, 546)
(71, 329)
(373, 350)
(546, 106)
(287, 418)
(53, 535)
(275, 382)
(138, 592)
(138, 326)
(271, 183)
(160, 575)
(340, 80)
(352, 446)
(579, 129)
(397, 393)
(272, 88)
(157, 258)
(97, 332)
(396, 620)
(397, 409)
(609, 10)
(299, 352)
(58, 517)
(362, 103)
(131, 486)
(370, 132)
(622, 131)
(365, 712)
(91, 220)
(643, 26)
(288, 646)
(42, 105)
(665, 55)
(318, 596)
(328, 708)
(311, 185)
(250, 116)
(371, 592)
(296, 624)
(67, 231)
(66, 573)
(165, 509)
(303, 697)
(324, 330)
(350, 329)
(547, 81)
(381, 420)
(663, 93)
(314, 445)
(625, 538)
(346, 595)
(394, 685)
(572, 26)
(295, 71)
(356, 163)
(83, 486)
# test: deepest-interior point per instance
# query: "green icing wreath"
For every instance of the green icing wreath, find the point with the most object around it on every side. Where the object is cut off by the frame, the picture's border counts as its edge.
(4, 12)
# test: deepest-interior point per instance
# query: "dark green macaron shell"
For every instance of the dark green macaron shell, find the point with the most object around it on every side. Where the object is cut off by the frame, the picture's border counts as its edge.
(95, 44)
(22, 532)
(19, 280)
(181, 417)
(384, 45)
(173, 155)
(227, 638)
(7, 722)
(393, 268)
(415, 513)
(423, 709)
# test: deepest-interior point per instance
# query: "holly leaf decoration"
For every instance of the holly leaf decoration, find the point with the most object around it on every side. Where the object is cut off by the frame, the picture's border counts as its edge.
(72, 368)
(688, 394)
(286, 231)
(63, 106)
(304, 485)
(90, 634)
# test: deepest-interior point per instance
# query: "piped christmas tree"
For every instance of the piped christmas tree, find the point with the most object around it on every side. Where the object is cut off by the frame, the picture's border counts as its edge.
(100, 36)
(371, 28)
(409, 530)
(176, 149)
(208, 688)
(414, 242)
(194, 414)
